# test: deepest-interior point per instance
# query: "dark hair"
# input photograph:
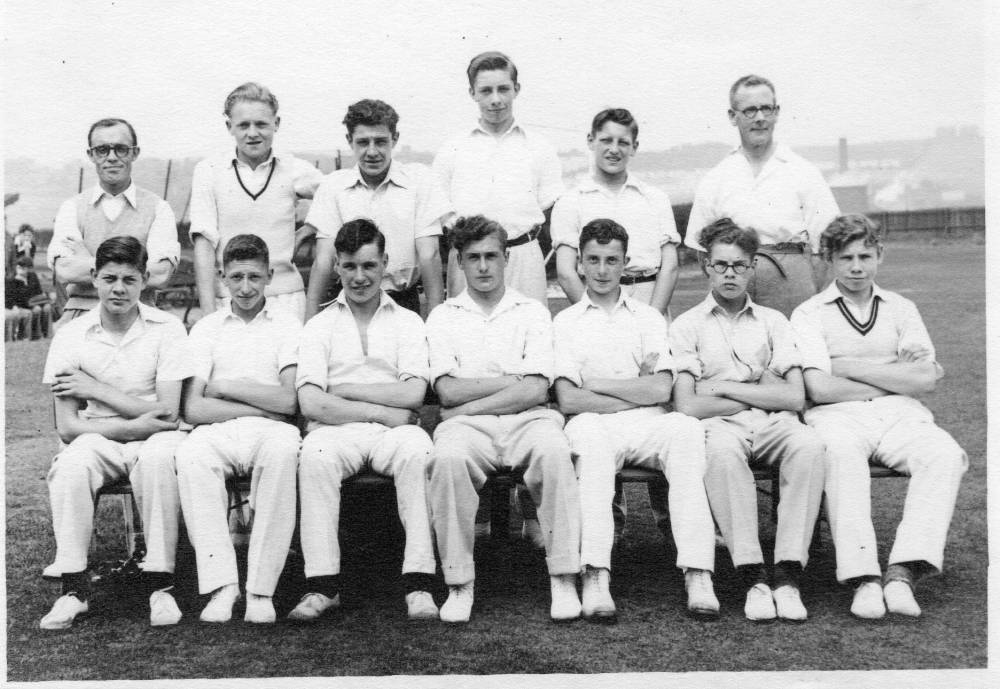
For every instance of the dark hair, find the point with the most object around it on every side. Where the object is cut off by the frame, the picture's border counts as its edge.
(473, 228)
(603, 231)
(246, 247)
(725, 231)
(25, 227)
(251, 92)
(355, 234)
(490, 60)
(846, 229)
(371, 113)
(24, 262)
(617, 115)
(749, 80)
(111, 122)
(123, 249)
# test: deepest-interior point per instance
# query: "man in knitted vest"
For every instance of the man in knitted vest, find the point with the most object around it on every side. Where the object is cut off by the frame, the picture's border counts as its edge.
(115, 207)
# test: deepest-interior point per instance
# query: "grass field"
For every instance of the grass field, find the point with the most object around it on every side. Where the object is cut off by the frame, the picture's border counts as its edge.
(510, 631)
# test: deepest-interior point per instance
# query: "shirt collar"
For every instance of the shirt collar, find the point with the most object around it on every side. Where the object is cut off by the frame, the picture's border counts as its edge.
(271, 159)
(710, 306)
(782, 153)
(624, 300)
(147, 314)
(129, 194)
(267, 311)
(832, 294)
(385, 301)
(397, 175)
(514, 127)
(510, 299)
(590, 184)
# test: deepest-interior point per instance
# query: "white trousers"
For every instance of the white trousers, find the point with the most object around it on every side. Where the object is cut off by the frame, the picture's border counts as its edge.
(897, 432)
(267, 451)
(651, 438)
(525, 272)
(332, 453)
(92, 461)
(468, 449)
(753, 437)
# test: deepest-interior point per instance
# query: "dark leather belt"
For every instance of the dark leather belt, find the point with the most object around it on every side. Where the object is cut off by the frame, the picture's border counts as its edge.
(630, 280)
(785, 248)
(528, 236)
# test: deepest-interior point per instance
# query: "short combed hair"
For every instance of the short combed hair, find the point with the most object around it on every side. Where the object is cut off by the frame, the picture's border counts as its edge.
(111, 122)
(355, 234)
(603, 231)
(123, 249)
(725, 231)
(749, 80)
(246, 247)
(371, 113)
(24, 262)
(250, 91)
(617, 115)
(487, 61)
(473, 228)
(846, 229)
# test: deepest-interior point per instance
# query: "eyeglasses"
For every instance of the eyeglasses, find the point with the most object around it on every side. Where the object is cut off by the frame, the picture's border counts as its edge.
(104, 150)
(721, 267)
(765, 110)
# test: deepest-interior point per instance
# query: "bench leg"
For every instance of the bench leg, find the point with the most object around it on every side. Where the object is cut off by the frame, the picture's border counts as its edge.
(500, 511)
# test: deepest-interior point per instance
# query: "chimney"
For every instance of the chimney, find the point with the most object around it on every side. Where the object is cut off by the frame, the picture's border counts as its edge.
(843, 154)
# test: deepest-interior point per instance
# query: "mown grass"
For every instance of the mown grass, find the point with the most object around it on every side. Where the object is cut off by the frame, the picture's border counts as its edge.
(510, 631)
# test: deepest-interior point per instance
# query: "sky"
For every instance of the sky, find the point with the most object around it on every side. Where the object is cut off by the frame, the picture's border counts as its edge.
(866, 71)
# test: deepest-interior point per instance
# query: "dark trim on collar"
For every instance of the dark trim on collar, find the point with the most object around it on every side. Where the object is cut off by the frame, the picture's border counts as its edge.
(863, 328)
(262, 189)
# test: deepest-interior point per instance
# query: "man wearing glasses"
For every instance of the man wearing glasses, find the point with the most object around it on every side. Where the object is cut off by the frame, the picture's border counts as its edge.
(764, 185)
(116, 206)
(738, 370)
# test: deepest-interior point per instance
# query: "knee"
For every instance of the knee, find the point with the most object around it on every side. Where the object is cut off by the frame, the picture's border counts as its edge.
(160, 449)
(283, 443)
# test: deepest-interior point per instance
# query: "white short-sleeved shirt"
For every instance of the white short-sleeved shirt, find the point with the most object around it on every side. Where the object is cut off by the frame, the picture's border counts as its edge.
(512, 178)
(644, 211)
(330, 351)
(153, 350)
(223, 206)
(515, 339)
(828, 326)
(592, 343)
(222, 346)
(711, 345)
(161, 242)
(789, 201)
(407, 205)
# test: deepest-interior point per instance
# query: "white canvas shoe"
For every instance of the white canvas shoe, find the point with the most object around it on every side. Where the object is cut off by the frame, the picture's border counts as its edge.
(701, 594)
(458, 607)
(899, 599)
(163, 610)
(260, 610)
(759, 605)
(220, 609)
(312, 606)
(420, 606)
(597, 604)
(868, 603)
(63, 613)
(788, 604)
(565, 600)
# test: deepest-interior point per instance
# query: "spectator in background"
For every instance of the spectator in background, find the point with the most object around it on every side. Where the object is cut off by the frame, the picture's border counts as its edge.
(26, 303)
(24, 241)
(115, 207)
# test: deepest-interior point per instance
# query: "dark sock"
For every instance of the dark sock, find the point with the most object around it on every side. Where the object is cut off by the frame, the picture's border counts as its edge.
(907, 571)
(751, 575)
(857, 581)
(76, 584)
(787, 573)
(328, 585)
(158, 581)
(417, 581)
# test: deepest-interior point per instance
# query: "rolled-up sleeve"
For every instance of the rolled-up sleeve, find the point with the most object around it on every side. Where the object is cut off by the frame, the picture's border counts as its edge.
(819, 207)
(324, 213)
(172, 361)
(442, 356)
(565, 223)
(538, 358)
(307, 178)
(684, 341)
(412, 361)
(665, 214)
(62, 355)
(655, 340)
(161, 243)
(568, 360)
(701, 213)
(433, 208)
(204, 211)
(64, 228)
(784, 354)
(550, 184)
(199, 350)
(808, 327)
(313, 356)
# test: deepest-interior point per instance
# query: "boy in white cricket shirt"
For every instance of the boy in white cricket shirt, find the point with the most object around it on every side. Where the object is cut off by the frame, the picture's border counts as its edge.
(362, 379)
(866, 354)
(614, 373)
(125, 360)
(242, 398)
(739, 372)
